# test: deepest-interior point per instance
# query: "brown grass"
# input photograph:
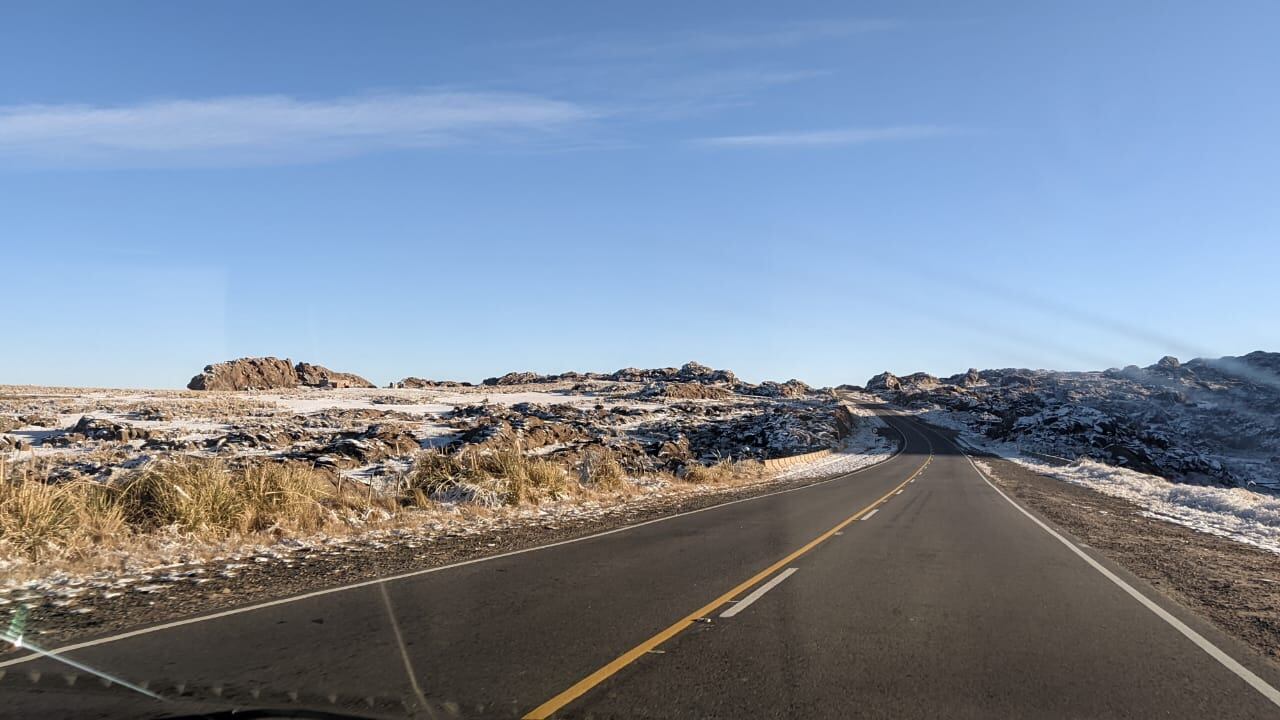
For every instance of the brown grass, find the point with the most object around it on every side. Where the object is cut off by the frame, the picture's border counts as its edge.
(516, 477)
(200, 498)
(601, 470)
(724, 472)
(208, 501)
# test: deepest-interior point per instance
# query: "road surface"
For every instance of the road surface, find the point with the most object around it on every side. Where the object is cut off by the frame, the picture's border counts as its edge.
(910, 589)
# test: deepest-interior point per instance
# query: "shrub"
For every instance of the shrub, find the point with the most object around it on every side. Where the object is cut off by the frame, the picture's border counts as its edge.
(36, 519)
(514, 476)
(601, 469)
(722, 471)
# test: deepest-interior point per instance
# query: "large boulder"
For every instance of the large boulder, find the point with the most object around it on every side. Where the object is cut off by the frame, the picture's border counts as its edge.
(884, 381)
(516, 378)
(94, 428)
(920, 381)
(270, 373)
(966, 379)
(697, 372)
(790, 389)
(264, 373)
(418, 383)
(320, 376)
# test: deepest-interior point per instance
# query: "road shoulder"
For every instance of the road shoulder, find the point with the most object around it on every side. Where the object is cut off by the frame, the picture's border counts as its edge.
(1236, 587)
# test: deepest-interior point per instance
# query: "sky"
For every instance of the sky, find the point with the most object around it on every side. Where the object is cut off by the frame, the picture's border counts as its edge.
(811, 190)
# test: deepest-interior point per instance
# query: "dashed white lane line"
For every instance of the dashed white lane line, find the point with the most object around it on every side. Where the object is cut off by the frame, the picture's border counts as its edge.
(758, 593)
(899, 492)
(868, 515)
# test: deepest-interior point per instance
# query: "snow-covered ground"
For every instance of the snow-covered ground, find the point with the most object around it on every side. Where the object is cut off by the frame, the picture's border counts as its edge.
(427, 401)
(1235, 513)
(862, 448)
(1239, 514)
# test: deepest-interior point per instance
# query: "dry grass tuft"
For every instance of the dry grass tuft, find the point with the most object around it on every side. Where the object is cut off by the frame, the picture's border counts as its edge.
(516, 477)
(601, 470)
(723, 472)
(36, 519)
(208, 501)
(205, 499)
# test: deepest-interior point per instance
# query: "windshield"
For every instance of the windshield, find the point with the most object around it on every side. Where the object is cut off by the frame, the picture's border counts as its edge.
(658, 360)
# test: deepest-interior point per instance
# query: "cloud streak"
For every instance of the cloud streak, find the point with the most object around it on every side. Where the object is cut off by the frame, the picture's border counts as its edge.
(274, 129)
(828, 138)
(774, 37)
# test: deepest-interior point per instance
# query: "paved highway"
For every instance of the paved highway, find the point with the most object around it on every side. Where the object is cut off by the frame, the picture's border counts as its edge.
(910, 589)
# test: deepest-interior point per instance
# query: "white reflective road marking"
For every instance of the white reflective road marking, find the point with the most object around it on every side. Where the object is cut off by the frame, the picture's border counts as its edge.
(758, 593)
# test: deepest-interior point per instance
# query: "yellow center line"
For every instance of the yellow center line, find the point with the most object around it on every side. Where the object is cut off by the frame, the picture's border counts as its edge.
(546, 709)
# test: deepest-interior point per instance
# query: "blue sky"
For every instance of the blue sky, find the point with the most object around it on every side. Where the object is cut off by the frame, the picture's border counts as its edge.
(812, 190)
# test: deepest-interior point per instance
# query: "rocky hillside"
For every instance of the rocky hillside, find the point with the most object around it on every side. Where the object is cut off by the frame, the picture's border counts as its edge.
(1204, 421)
(669, 382)
(650, 420)
(269, 373)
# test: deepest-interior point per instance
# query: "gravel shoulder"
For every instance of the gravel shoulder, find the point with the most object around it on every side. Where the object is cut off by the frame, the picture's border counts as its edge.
(1233, 585)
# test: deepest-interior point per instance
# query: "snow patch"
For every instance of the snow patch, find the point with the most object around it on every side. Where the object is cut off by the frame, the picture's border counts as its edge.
(1235, 513)
(863, 447)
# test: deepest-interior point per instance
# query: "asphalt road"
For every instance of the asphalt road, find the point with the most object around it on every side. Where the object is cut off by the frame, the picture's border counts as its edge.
(910, 589)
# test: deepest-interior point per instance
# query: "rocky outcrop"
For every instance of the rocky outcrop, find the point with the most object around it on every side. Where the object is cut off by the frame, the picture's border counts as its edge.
(697, 372)
(689, 372)
(920, 380)
(270, 373)
(790, 389)
(262, 373)
(519, 378)
(1204, 420)
(684, 391)
(417, 383)
(92, 428)
(319, 376)
(966, 379)
(891, 382)
(884, 381)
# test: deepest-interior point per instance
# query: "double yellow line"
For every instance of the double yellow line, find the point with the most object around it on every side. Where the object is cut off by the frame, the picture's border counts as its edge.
(578, 689)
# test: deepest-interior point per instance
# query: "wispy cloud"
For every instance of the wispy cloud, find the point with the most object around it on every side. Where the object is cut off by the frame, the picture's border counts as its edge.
(266, 129)
(822, 138)
(778, 36)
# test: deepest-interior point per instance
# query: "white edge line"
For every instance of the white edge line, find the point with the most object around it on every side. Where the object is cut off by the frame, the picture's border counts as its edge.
(426, 571)
(1230, 663)
(868, 515)
(758, 593)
